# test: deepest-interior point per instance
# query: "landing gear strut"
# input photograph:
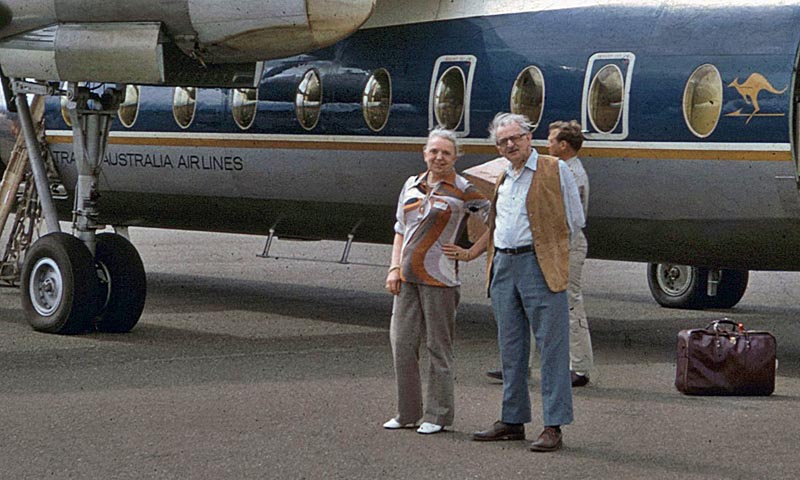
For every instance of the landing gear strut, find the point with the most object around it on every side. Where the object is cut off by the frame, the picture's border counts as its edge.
(76, 284)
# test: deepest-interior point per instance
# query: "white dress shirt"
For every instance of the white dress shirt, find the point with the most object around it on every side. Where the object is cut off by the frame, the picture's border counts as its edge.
(512, 228)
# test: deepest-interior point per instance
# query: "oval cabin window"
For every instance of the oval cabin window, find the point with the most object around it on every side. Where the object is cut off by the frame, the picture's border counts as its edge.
(377, 99)
(527, 95)
(129, 109)
(308, 100)
(605, 99)
(449, 98)
(702, 100)
(184, 103)
(244, 106)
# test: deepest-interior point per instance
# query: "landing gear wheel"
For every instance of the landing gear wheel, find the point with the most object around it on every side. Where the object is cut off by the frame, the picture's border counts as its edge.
(123, 284)
(677, 286)
(730, 289)
(59, 285)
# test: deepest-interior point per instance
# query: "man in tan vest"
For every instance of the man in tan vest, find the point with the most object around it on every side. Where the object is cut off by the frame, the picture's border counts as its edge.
(535, 209)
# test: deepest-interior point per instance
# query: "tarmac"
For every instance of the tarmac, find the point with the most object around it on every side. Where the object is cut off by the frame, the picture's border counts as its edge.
(250, 368)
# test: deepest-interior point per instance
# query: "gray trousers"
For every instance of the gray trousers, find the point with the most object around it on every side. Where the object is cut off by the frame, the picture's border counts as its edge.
(522, 303)
(580, 341)
(430, 310)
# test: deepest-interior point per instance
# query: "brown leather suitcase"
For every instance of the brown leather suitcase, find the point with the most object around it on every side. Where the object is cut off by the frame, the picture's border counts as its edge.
(725, 359)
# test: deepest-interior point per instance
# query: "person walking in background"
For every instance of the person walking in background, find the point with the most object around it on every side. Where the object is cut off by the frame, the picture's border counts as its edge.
(565, 141)
(431, 210)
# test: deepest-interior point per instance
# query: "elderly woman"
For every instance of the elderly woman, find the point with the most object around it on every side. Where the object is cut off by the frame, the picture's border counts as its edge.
(430, 216)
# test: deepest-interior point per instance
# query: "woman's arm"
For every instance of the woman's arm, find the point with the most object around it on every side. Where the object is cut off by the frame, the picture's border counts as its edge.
(393, 276)
(454, 252)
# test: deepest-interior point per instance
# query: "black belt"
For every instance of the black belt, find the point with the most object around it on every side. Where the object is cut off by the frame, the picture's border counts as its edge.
(515, 250)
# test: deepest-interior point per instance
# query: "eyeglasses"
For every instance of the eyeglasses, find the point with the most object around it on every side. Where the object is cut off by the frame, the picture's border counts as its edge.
(503, 142)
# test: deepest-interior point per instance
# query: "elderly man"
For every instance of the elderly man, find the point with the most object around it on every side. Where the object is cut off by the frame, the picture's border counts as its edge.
(535, 210)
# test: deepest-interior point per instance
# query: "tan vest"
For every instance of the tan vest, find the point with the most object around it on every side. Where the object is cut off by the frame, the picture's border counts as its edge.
(548, 221)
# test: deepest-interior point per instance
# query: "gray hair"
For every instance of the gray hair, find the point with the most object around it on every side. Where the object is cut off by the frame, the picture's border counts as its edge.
(505, 119)
(440, 132)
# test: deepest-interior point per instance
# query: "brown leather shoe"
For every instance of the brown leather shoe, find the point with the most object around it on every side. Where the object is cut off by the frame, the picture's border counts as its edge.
(548, 441)
(578, 380)
(501, 431)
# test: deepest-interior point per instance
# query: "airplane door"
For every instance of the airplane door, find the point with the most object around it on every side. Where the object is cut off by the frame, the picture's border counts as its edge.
(450, 92)
(606, 90)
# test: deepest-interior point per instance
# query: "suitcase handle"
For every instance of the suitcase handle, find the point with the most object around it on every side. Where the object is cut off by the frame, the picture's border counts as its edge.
(715, 326)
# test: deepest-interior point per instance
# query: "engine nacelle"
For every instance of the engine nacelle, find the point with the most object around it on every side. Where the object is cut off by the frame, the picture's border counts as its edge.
(213, 42)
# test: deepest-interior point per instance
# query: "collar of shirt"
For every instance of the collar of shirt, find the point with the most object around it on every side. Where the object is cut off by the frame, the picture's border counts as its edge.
(531, 164)
(422, 178)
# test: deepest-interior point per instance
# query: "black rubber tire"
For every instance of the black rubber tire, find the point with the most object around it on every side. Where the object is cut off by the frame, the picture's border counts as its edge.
(62, 264)
(123, 292)
(692, 293)
(731, 288)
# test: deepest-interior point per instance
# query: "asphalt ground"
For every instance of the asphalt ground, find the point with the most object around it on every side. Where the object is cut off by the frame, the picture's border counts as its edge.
(244, 367)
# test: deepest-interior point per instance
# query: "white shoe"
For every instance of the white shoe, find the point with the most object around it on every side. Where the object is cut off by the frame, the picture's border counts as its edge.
(393, 424)
(427, 428)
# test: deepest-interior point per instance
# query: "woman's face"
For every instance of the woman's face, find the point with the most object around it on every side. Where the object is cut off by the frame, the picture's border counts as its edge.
(440, 156)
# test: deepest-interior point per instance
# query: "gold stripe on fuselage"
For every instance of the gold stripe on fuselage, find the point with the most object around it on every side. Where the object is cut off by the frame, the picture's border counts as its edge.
(780, 153)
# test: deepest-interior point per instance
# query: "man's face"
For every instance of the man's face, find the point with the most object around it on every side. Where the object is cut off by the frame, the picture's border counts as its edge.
(440, 156)
(514, 144)
(555, 148)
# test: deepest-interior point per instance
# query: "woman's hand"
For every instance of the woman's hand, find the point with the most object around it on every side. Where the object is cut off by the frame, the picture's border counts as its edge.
(454, 252)
(393, 281)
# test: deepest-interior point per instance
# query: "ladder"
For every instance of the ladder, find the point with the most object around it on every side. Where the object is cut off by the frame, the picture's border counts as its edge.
(28, 210)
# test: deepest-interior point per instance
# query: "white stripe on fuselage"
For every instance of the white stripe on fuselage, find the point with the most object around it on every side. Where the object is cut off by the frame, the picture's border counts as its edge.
(377, 140)
(404, 12)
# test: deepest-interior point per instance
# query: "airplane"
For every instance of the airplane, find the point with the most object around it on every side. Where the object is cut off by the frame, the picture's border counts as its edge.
(690, 111)
(86, 52)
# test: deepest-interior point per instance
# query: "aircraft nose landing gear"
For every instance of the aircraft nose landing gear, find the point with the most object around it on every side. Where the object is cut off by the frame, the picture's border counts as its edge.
(75, 284)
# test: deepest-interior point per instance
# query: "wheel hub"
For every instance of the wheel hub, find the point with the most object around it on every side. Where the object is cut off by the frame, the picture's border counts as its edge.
(674, 280)
(46, 286)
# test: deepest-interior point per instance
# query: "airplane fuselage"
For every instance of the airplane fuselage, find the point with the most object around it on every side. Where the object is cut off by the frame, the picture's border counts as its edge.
(660, 189)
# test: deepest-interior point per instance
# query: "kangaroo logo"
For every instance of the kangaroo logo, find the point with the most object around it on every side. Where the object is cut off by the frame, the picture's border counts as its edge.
(749, 90)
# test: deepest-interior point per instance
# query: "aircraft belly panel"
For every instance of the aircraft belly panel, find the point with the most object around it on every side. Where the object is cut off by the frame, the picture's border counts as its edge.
(729, 213)
(690, 189)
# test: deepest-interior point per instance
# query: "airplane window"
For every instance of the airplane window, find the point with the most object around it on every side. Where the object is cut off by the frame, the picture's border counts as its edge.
(308, 100)
(702, 100)
(244, 106)
(605, 98)
(184, 103)
(449, 98)
(527, 95)
(64, 112)
(377, 99)
(129, 109)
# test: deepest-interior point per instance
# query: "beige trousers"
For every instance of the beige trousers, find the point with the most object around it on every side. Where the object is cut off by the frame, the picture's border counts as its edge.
(581, 358)
(417, 310)
(580, 341)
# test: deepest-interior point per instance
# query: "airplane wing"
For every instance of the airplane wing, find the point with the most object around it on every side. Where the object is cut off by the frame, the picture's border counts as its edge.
(197, 42)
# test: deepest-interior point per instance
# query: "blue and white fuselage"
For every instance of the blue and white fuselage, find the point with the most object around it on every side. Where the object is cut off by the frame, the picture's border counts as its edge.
(663, 190)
